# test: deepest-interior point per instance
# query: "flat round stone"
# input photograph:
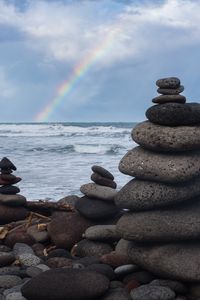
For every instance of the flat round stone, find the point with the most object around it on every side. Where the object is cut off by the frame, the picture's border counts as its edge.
(166, 225)
(165, 138)
(87, 248)
(9, 189)
(175, 91)
(102, 233)
(140, 195)
(102, 171)
(94, 190)
(168, 82)
(174, 114)
(98, 179)
(169, 98)
(162, 167)
(12, 200)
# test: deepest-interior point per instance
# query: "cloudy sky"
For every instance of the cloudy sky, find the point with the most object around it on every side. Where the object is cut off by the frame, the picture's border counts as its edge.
(94, 60)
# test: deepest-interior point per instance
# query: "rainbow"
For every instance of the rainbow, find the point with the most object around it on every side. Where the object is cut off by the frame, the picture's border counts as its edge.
(80, 70)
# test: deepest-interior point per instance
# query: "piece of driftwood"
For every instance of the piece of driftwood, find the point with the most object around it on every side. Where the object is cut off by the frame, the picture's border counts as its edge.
(47, 206)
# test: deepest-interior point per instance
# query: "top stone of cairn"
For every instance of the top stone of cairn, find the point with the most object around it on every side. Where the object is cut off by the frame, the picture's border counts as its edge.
(6, 164)
(168, 83)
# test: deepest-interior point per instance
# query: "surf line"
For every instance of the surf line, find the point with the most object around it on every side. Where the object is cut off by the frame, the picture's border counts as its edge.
(81, 69)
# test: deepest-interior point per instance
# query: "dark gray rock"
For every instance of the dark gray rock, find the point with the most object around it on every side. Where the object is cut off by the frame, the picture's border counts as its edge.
(152, 292)
(59, 253)
(6, 258)
(169, 99)
(10, 214)
(89, 248)
(168, 91)
(142, 277)
(175, 224)
(140, 195)
(116, 294)
(96, 209)
(102, 269)
(98, 179)
(12, 200)
(93, 190)
(102, 233)
(69, 200)
(174, 114)
(162, 167)
(168, 83)
(164, 138)
(102, 171)
(9, 189)
(66, 284)
(6, 164)
(177, 261)
(176, 286)
(8, 281)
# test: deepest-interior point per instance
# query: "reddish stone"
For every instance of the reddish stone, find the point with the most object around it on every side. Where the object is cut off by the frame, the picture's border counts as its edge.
(115, 260)
(10, 214)
(132, 284)
(13, 180)
(18, 236)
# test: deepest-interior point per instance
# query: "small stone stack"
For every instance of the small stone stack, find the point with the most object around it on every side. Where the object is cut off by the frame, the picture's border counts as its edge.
(11, 203)
(97, 205)
(163, 199)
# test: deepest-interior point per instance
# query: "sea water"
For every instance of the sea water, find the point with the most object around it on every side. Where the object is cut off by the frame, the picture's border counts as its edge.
(55, 159)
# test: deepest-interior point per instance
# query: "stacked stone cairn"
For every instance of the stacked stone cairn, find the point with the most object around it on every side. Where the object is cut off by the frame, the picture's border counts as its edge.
(161, 229)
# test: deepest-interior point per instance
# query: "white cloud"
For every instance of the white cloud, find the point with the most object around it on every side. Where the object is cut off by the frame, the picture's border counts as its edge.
(70, 32)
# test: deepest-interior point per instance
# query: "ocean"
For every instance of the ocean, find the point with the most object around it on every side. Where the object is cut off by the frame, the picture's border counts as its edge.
(55, 159)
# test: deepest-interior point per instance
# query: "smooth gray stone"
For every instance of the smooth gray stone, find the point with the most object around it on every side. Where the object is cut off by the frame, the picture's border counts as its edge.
(87, 248)
(116, 294)
(164, 138)
(176, 286)
(12, 200)
(177, 261)
(140, 195)
(174, 91)
(175, 224)
(125, 269)
(98, 191)
(8, 281)
(6, 258)
(168, 82)
(152, 292)
(162, 167)
(169, 99)
(102, 233)
(102, 171)
(174, 114)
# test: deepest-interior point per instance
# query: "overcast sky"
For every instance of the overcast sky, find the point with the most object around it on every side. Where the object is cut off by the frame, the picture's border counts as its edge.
(42, 42)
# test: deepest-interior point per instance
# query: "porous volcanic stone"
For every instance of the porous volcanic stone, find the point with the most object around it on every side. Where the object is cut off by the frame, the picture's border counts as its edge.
(66, 284)
(175, 91)
(94, 190)
(9, 190)
(103, 172)
(138, 195)
(169, 98)
(89, 248)
(67, 230)
(174, 114)
(179, 223)
(98, 179)
(164, 138)
(96, 209)
(12, 200)
(168, 83)
(8, 281)
(176, 286)
(152, 292)
(178, 261)
(162, 167)
(10, 214)
(102, 233)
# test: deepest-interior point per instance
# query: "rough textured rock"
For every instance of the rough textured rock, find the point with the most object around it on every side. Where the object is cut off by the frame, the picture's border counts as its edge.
(174, 114)
(10, 214)
(86, 248)
(12, 200)
(103, 172)
(138, 195)
(168, 83)
(102, 233)
(178, 261)
(94, 190)
(96, 209)
(175, 91)
(116, 294)
(98, 179)
(164, 138)
(176, 286)
(162, 167)
(176, 224)
(8, 281)
(69, 200)
(67, 230)
(169, 99)
(152, 292)
(64, 284)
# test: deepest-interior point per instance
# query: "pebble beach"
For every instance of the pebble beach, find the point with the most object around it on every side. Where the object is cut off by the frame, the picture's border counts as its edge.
(136, 240)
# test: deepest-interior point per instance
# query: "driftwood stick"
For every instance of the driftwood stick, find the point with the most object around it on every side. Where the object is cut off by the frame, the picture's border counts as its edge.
(47, 206)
